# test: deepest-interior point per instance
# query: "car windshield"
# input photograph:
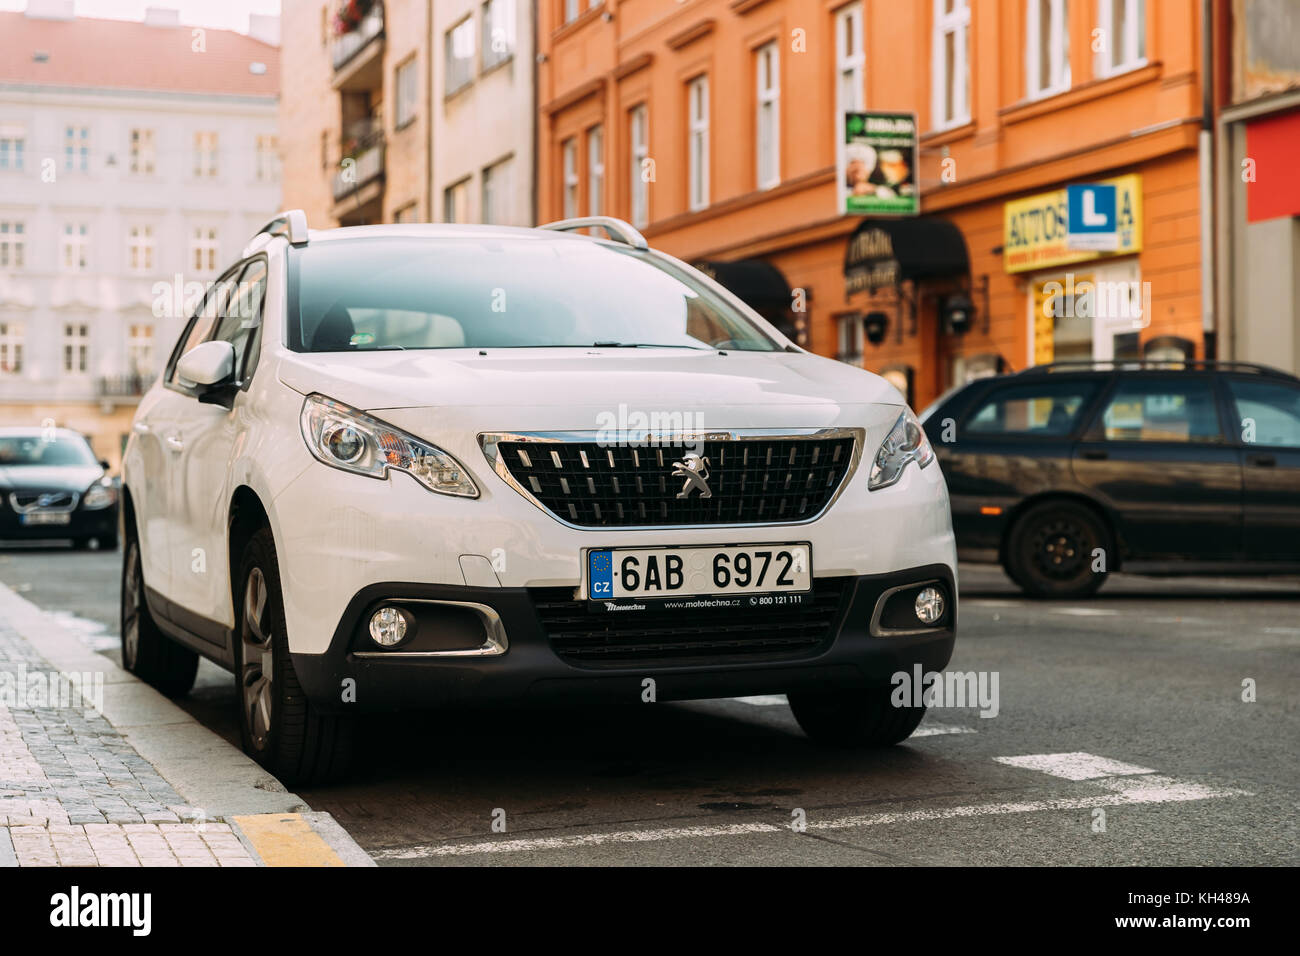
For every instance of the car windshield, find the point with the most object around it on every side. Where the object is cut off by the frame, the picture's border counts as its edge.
(18, 450)
(494, 292)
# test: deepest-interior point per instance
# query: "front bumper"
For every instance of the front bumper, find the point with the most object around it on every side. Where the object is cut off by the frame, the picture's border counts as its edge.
(855, 652)
(100, 523)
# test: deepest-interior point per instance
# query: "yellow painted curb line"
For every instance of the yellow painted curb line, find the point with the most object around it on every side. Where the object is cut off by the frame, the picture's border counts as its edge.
(286, 839)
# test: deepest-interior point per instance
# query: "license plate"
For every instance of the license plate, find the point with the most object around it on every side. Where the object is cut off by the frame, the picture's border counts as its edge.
(665, 573)
(37, 517)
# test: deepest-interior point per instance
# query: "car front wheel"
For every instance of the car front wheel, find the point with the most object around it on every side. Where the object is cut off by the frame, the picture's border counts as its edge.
(279, 727)
(863, 718)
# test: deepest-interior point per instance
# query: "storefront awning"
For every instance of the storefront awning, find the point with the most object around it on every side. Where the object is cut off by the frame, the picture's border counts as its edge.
(760, 285)
(885, 252)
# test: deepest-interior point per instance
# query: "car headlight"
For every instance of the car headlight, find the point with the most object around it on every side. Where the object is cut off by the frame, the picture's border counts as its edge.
(100, 495)
(905, 442)
(350, 440)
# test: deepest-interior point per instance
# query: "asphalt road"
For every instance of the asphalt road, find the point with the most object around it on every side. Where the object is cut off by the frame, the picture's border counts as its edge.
(1129, 706)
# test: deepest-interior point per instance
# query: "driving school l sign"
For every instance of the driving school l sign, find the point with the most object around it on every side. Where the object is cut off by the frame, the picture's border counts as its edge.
(1075, 224)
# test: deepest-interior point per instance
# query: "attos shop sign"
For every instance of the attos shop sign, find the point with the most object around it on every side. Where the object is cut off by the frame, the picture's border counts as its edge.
(1036, 229)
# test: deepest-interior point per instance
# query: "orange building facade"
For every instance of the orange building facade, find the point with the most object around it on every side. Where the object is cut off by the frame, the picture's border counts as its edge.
(713, 125)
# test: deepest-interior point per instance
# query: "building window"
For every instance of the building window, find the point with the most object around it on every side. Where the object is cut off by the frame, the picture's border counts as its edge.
(595, 170)
(76, 343)
(850, 60)
(1048, 53)
(498, 32)
(1124, 27)
(142, 152)
(268, 158)
(205, 155)
(73, 246)
(569, 150)
(697, 96)
(460, 55)
(408, 92)
(455, 202)
(849, 328)
(407, 213)
(571, 10)
(950, 58)
(768, 127)
(11, 347)
(139, 350)
(639, 141)
(13, 245)
(139, 247)
(11, 148)
(496, 193)
(76, 148)
(204, 249)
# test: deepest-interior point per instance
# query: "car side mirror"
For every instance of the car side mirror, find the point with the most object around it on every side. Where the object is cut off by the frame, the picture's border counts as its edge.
(210, 366)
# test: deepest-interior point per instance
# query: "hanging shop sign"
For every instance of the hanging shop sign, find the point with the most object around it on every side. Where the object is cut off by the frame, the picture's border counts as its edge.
(877, 164)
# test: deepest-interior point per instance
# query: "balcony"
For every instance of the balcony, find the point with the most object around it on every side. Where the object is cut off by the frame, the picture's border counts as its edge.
(358, 53)
(122, 386)
(359, 183)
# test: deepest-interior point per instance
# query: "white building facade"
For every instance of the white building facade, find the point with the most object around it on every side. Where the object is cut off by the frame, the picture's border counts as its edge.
(111, 196)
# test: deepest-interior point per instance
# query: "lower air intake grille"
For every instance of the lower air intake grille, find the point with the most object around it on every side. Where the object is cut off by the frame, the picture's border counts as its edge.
(594, 638)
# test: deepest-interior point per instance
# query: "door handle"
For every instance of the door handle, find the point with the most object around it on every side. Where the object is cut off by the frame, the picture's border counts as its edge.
(175, 444)
(1263, 461)
(1095, 454)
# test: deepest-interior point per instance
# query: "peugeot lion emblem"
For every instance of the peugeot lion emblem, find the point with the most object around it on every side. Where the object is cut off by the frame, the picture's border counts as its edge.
(696, 472)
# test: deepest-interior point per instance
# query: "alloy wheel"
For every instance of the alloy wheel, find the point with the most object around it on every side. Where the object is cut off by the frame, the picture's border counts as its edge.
(257, 660)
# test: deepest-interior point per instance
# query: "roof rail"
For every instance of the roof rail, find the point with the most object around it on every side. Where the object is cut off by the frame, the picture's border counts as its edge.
(616, 229)
(1083, 365)
(292, 224)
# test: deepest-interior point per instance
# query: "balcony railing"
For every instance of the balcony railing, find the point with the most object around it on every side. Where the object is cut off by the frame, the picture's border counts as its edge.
(122, 386)
(362, 164)
(353, 42)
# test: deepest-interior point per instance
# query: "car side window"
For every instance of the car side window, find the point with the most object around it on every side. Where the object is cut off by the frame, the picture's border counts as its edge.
(1164, 410)
(1031, 409)
(200, 326)
(240, 320)
(1268, 412)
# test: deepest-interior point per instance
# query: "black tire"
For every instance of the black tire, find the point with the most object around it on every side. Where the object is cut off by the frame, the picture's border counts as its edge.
(1051, 550)
(278, 726)
(147, 652)
(864, 718)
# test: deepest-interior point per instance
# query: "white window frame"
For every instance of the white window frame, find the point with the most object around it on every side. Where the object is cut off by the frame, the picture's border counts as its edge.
(206, 150)
(638, 134)
(13, 146)
(139, 349)
(11, 348)
(571, 10)
(596, 170)
(76, 149)
(849, 331)
(74, 247)
(767, 115)
(1127, 52)
(205, 250)
(268, 158)
(459, 69)
(75, 352)
(13, 244)
(697, 142)
(569, 170)
(142, 151)
(850, 65)
(498, 17)
(140, 247)
(1058, 49)
(957, 24)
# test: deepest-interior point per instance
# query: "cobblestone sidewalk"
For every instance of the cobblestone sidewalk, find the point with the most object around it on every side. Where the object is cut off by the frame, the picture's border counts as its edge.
(73, 791)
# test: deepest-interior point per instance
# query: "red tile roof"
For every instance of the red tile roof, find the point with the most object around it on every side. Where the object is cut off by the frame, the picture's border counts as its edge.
(129, 55)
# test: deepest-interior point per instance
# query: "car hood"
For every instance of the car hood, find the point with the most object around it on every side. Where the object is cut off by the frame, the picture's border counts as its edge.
(584, 378)
(49, 477)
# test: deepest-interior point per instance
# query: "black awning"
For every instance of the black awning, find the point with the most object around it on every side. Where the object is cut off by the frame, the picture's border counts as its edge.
(760, 285)
(883, 252)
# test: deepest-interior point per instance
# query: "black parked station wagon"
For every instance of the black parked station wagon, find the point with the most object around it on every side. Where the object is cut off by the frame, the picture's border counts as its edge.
(1068, 471)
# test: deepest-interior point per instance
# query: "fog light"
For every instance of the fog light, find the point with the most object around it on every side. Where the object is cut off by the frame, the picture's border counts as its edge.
(387, 627)
(929, 605)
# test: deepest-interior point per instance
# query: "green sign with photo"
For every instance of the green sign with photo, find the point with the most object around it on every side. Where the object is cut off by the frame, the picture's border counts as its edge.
(877, 164)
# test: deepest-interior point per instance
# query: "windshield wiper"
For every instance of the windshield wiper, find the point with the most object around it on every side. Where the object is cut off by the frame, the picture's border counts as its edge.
(645, 345)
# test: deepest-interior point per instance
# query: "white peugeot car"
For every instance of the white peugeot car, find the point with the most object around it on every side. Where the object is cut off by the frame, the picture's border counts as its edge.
(414, 466)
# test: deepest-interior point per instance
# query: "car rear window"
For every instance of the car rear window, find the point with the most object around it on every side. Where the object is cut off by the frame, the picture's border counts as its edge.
(1037, 408)
(1164, 410)
(495, 292)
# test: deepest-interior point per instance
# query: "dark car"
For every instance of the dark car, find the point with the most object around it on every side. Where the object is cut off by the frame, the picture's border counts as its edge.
(1068, 471)
(53, 487)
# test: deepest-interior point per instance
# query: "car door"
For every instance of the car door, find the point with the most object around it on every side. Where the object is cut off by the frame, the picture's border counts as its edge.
(207, 436)
(1266, 420)
(1012, 441)
(1156, 452)
(154, 436)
